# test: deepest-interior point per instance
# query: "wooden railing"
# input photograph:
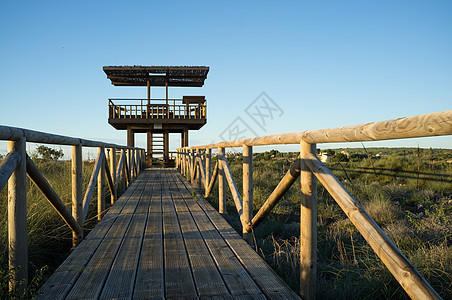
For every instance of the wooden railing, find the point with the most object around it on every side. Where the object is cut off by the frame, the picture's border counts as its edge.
(196, 162)
(155, 109)
(17, 165)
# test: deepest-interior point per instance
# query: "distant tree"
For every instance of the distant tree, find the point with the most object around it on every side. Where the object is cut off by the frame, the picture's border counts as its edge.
(329, 151)
(47, 153)
(274, 153)
(339, 157)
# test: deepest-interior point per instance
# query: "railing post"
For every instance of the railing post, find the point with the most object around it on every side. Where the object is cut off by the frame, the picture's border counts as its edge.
(182, 171)
(123, 177)
(143, 159)
(17, 217)
(308, 225)
(191, 155)
(129, 165)
(247, 192)
(114, 195)
(208, 154)
(137, 162)
(198, 166)
(186, 166)
(101, 186)
(77, 193)
(182, 161)
(221, 184)
(136, 154)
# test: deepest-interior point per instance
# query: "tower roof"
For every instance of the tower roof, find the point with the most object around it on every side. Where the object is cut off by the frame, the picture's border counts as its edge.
(181, 76)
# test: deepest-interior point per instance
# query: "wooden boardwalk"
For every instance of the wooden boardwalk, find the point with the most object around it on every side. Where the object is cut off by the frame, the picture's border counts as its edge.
(159, 242)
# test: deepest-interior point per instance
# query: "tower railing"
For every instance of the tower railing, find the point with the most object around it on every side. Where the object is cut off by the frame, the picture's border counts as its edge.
(172, 109)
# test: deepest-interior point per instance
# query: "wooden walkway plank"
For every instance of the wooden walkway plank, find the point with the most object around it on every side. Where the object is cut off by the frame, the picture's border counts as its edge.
(159, 242)
(208, 280)
(149, 282)
(59, 285)
(121, 280)
(237, 279)
(90, 283)
(178, 276)
(267, 280)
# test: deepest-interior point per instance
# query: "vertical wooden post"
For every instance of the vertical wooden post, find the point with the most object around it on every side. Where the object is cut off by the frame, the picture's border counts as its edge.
(308, 225)
(191, 156)
(221, 184)
(185, 163)
(136, 168)
(166, 146)
(166, 89)
(136, 155)
(130, 137)
(181, 161)
(149, 143)
(185, 133)
(17, 217)
(208, 154)
(198, 155)
(247, 192)
(101, 186)
(77, 192)
(123, 173)
(149, 92)
(143, 159)
(113, 196)
(129, 164)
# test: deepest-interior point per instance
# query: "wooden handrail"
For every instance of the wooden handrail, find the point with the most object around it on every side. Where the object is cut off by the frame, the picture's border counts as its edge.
(308, 167)
(17, 164)
(433, 124)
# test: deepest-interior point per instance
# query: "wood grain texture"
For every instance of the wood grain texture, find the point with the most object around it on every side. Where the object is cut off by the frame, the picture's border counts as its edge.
(149, 283)
(433, 124)
(208, 280)
(17, 217)
(308, 225)
(89, 284)
(62, 281)
(178, 276)
(156, 242)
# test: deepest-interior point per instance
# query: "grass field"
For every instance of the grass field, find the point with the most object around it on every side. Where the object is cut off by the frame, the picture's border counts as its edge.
(408, 192)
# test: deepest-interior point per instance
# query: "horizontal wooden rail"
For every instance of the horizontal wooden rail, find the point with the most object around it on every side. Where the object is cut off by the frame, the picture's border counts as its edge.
(308, 167)
(8, 133)
(433, 124)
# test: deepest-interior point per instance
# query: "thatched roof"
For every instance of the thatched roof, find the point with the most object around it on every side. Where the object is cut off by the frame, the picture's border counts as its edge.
(157, 75)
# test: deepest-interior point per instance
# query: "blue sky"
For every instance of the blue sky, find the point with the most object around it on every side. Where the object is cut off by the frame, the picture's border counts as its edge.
(325, 63)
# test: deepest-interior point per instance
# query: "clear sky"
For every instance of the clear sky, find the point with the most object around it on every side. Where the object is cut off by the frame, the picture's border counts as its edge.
(324, 63)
